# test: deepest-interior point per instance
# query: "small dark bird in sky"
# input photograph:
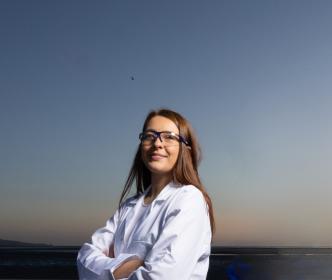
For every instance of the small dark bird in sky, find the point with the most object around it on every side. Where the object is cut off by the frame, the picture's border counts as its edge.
(132, 78)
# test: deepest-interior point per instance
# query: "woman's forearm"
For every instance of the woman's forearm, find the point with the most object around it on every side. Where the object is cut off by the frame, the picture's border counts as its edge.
(125, 269)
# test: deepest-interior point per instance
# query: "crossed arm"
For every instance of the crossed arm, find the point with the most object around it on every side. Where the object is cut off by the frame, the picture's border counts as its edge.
(96, 260)
(126, 268)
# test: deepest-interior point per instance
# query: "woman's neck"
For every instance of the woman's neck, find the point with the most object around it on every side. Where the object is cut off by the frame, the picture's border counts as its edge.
(158, 182)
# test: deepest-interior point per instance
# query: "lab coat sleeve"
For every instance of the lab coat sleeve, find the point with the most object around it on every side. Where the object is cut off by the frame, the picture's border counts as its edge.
(93, 261)
(184, 239)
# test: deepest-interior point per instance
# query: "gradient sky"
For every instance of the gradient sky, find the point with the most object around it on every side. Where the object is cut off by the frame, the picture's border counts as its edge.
(253, 77)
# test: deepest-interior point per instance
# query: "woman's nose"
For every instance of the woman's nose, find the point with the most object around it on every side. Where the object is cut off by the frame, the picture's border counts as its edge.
(158, 141)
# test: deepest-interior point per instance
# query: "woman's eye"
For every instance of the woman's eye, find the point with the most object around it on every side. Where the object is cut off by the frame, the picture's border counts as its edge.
(148, 137)
(170, 137)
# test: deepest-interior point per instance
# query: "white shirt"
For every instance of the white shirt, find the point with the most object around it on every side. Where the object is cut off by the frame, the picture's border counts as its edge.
(172, 235)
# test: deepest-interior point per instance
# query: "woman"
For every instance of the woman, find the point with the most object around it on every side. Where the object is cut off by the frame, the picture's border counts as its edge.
(165, 230)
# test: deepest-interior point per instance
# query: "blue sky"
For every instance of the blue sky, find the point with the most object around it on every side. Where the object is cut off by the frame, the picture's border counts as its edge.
(253, 77)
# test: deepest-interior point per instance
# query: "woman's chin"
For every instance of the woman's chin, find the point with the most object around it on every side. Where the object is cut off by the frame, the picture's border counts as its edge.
(155, 169)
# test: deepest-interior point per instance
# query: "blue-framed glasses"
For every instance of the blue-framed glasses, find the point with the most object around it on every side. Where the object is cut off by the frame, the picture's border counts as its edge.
(169, 138)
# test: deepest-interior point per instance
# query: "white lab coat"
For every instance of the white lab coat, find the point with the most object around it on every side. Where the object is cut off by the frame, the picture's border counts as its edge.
(172, 235)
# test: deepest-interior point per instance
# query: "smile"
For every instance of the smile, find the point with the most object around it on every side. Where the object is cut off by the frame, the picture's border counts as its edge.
(157, 157)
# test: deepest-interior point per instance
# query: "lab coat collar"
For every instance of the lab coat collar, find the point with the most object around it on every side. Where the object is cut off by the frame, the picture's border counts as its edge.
(161, 197)
(166, 192)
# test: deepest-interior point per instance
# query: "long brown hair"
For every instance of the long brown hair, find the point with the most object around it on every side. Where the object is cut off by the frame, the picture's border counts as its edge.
(185, 171)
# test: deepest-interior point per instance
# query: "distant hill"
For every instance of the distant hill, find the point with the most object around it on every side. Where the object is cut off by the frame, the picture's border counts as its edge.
(12, 243)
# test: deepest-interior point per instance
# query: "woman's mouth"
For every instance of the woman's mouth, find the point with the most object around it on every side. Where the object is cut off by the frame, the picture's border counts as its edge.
(157, 157)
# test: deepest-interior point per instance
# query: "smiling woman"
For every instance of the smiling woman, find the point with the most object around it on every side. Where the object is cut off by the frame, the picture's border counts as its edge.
(165, 230)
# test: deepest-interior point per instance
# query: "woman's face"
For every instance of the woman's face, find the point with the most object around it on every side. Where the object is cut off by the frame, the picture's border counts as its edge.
(160, 157)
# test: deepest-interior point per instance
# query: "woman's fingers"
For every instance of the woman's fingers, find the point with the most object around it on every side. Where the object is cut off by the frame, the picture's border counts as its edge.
(111, 251)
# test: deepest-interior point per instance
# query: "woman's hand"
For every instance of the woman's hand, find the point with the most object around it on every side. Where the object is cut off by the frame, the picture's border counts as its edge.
(125, 269)
(111, 251)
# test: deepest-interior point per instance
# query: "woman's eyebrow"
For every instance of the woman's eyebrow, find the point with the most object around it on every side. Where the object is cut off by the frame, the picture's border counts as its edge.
(150, 130)
(153, 130)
